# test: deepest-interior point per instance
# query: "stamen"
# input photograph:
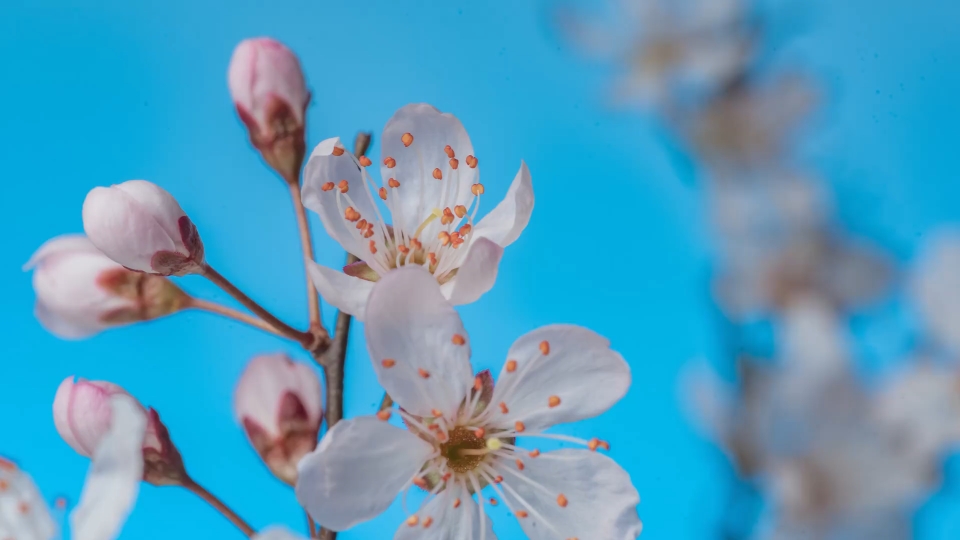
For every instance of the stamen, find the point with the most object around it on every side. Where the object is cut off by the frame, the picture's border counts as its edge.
(390, 162)
(344, 186)
(493, 502)
(438, 174)
(480, 432)
(554, 401)
(413, 520)
(423, 373)
(521, 514)
(383, 193)
(406, 139)
(365, 161)
(477, 189)
(393, 183)
(520, 464)
(447, 217)
(458, 339)
(373, 246)
(545, 347)
(511, 366)
(472, 162)
(449, 151)
(454, 163)
(444, 237)
(561, 501)
(460, 210)
(456, 502)
(327, 186)
(337, 151)
(351, 215)
(465, 230)
(520, 427)
(534, 453)
(503, 408)
(384, 414)
(427, 522)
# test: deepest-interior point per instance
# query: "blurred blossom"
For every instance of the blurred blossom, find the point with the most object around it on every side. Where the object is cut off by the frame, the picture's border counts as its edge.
(669, 50)
(83, 416)
(80, 291)
(277, 533)
(141, 226)
(936, 287)
(421, 352)
(24, 514)
(279, 404)
(431, 188)
(268, 89)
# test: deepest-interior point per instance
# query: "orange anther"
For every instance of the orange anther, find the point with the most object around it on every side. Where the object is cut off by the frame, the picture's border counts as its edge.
(480, 432)
(519, 426)
(388, 363)
(365, 161)
(455, 237)
(344, 186)
(444, 237)
(456, 503)
(436, 412)
(384, 415)
(493, 502)
(520, 465)
(449, 150)
(593, 444)
(407, 139)
(373, 246)
(460, 210)
(437, 174)
(472, 162)
(350, 214)
(522, 514)
(390, 162)
(605, 445)
(545, 347)
(415, 244)
(427, 522)
(433, 258)
(498, 479)
(477, 189)
(337, 151)
(447, 476)
(403, 249)
(477, 384)
(503, 408)
(554, 401)
(327, 186)
(423, 373)
(511, 366)
(383, 193)
(412, 521)
(369, 232)
(454, 163)
(534, 453)
(562, 501)
(458, 339)
(393, 183)
(465, 230)
(362, 224)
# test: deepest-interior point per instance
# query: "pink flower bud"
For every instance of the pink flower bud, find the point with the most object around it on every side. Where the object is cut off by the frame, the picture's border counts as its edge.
(268, 89)
(82, 416)
(141, 226)
(80, 291)
(278, 402)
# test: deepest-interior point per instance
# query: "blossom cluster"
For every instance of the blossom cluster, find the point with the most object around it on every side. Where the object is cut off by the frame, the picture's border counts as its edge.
(834, 450)
(418, 244)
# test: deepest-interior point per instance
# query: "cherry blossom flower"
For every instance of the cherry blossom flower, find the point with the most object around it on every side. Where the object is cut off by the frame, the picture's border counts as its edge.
(279, 404)
(935, 287)
(456, 445)
(268, 89)
(432, 191)
(141, 226)
(81, 291)
(24, 515)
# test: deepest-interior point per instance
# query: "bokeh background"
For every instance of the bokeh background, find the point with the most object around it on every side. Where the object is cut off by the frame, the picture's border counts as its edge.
(100, 91)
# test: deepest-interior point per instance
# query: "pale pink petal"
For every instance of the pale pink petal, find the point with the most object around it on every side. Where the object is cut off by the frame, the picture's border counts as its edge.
(24, 514)
(346, 293)
(419, 192)
(504, 223)
(358, 470)
(579, 377)
(264, 384)
(600, 500)
(417, 343)
(261, 69)
(114, 478)
(446, 521)
(477, 272)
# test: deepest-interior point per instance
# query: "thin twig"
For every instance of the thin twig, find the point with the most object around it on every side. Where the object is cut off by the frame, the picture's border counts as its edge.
(306, 339)
(231, 313)
(313, 301)
(332, 360)
(217, 504)
(311, 526)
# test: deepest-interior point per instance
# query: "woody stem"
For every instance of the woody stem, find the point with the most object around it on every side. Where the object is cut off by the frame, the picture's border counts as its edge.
(306, 244)
(218, 505)
(230, 313)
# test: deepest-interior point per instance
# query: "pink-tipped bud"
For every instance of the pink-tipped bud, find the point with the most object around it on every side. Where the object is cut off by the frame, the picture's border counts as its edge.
(80, 291)
(279, 404)
(82, 416)
(271, 97)
(141, 226)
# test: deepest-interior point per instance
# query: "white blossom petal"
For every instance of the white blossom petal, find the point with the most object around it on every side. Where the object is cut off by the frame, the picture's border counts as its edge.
(417, 343)
(24, 514)
(504, 223)
(419, 192)
(346, 293)
(446, 521)
(357, 471)
(277, 532)
(115, 474)
(477, 272)
(600, 500)
(579, 377)
(323, 167)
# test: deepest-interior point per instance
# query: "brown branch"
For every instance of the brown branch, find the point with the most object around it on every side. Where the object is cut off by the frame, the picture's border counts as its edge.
(306, 244)
(230, 313)
(218, 505)
(307, 339)
(332, 360)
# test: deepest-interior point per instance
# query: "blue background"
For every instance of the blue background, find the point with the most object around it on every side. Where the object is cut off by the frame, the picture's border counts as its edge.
(95, 92)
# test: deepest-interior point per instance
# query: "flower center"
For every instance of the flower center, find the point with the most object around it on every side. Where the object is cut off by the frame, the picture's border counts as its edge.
(461, 448)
